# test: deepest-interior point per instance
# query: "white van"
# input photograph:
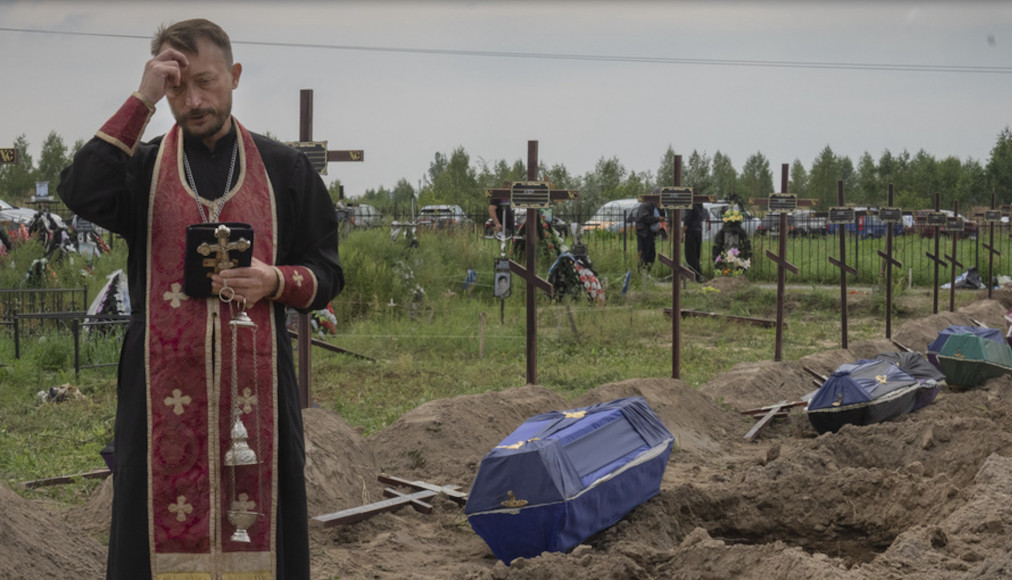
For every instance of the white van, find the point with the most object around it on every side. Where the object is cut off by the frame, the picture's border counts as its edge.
(610, 215)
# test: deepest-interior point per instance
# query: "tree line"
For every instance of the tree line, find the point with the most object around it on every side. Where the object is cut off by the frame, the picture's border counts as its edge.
(455, 179)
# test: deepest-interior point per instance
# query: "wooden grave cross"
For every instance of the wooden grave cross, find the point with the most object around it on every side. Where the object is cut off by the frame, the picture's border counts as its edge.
(936, 220)
(953, 225)
(841, 216)
(991, 217)
(675, 199)
(889, 215)
(783, 203)
(531, 195)
(312, 150)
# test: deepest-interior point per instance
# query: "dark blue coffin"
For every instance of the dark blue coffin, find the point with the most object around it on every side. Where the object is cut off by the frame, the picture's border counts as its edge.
(872, 391)
(563, 476)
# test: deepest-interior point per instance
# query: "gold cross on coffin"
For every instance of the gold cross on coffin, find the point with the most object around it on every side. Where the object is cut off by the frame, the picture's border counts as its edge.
(221, 260)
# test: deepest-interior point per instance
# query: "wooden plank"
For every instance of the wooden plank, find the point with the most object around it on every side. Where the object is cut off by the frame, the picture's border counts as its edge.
(360, 513)
(96, 474)
(784, 408)
(450, 491)
(815, 374)
(902, 347)
(331, 347)
(754, 431)
(763, 322)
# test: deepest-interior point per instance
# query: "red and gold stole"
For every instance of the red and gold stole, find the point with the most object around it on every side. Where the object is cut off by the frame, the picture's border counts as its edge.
(189, 368)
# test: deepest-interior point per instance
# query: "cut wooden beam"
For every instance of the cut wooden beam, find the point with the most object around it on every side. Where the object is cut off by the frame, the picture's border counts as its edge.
(97, 474)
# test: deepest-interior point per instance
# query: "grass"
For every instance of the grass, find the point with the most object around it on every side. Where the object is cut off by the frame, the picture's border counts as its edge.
(407, 308)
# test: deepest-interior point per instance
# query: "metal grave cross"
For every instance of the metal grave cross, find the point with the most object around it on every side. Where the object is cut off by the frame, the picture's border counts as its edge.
(889, 216)
(221, 260)
(783, 203)
(531, 194)
(676, 199)
(319, 156)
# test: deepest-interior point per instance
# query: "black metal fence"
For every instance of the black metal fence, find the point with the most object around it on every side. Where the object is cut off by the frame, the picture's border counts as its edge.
(29, 314)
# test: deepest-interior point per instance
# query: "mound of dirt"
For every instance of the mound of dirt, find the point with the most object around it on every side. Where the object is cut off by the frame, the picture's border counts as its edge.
(926, 496)
(38, 544)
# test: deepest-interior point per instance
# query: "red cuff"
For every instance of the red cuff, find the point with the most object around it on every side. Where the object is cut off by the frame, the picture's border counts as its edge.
(297, 286)
(126, 127)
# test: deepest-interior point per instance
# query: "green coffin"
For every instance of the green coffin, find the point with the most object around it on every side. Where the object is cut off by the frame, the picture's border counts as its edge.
(969, 360)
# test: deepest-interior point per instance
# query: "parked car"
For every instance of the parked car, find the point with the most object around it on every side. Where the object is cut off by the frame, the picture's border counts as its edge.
(11, 216)
(868, 226)
(802, 222)
(921, 224)
(441, 216)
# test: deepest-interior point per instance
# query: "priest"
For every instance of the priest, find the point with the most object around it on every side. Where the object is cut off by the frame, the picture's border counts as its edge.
(209, 453)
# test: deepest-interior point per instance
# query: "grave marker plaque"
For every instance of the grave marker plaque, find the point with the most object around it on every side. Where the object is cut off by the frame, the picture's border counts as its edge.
(676, 198)
(936, 219)
(783, 203)
(840, 215)
(530, 194)
(890, 215)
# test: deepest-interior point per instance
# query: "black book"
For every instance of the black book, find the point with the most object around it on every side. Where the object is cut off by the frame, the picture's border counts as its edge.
(211, 248)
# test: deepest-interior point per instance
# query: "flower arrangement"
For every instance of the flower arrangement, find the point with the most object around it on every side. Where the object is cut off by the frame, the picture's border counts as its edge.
(731, 263)
(732, 215)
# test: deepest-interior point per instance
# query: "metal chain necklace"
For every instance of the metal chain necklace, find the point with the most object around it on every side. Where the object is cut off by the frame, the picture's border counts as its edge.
(218, 203)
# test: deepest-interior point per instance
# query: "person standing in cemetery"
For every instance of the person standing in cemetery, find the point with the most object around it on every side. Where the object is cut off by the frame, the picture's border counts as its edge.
(500, 211)
(207, 482)
(692, 236)
(647, 217)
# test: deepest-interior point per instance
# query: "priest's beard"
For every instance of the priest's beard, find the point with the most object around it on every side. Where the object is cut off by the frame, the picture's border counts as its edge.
(218, 118)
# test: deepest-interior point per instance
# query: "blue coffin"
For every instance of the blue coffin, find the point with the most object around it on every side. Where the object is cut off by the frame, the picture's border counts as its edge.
(868, 392)
(563, 476)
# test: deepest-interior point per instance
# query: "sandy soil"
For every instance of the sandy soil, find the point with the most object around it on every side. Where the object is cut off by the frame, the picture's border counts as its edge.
(925, 496)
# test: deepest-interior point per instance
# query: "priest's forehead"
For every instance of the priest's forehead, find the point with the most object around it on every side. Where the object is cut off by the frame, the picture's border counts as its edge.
(185, 36)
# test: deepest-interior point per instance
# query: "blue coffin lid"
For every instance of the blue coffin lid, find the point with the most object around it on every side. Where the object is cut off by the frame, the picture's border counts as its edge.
(554, 456)
(860, 382)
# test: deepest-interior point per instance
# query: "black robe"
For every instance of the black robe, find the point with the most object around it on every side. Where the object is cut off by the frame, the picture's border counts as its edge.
(107, 186)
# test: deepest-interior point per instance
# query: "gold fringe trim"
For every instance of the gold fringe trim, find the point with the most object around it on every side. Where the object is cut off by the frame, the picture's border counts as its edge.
(262, 575)
(183, 576)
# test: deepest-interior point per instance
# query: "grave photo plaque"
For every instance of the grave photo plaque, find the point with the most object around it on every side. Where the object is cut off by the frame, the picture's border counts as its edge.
(992, 216)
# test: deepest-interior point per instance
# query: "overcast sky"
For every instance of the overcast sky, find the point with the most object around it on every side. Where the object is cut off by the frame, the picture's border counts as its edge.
(588, 80)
